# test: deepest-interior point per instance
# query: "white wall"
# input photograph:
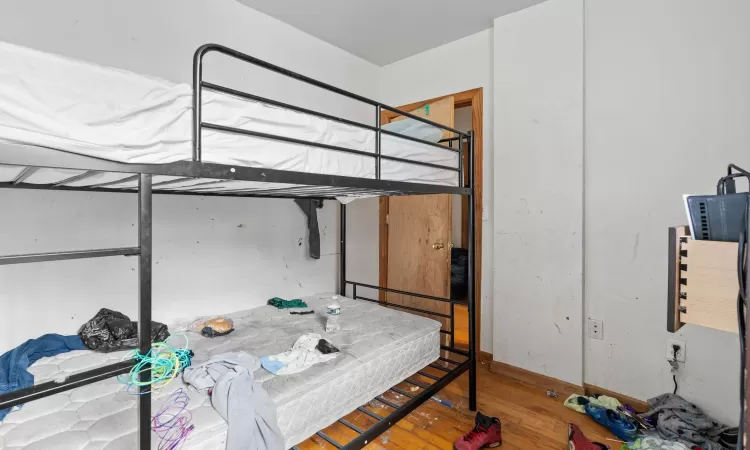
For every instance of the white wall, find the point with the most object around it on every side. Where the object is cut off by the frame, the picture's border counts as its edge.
(538, 189)
(666, 104)
(667, 107)
(437, 72)
(362, 244)
(211, 255)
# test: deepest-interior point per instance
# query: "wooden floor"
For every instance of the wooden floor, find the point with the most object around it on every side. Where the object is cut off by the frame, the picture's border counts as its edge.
(530, 419)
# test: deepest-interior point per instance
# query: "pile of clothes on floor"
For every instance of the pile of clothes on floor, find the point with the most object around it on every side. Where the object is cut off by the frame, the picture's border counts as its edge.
(671, 423)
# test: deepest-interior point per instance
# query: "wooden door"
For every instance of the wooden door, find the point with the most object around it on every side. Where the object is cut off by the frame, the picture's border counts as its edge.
(419, 236)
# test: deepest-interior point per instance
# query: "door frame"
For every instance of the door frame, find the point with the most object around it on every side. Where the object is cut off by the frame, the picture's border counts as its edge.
(474, 99)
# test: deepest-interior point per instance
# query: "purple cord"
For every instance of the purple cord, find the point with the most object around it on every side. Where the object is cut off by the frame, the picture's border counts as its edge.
(172, 422)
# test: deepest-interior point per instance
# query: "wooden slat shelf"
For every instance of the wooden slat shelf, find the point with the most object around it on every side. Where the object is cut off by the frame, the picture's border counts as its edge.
(703, 283)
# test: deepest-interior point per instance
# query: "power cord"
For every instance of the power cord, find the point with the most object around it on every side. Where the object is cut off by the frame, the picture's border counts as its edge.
(675, 365)
(727, 185)
(741, 308)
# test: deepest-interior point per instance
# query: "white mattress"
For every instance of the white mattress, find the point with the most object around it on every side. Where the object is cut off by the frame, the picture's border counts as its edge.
(79, 107)
(379, 348)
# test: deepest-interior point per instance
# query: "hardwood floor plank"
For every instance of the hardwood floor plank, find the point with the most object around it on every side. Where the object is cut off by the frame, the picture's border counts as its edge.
(531, 420)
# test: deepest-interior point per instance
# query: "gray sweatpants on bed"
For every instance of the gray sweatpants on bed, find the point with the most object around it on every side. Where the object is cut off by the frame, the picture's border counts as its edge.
(244, 404)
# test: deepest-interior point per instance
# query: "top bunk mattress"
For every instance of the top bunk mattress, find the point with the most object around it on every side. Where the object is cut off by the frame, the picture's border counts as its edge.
(379, 347)
(69, 105)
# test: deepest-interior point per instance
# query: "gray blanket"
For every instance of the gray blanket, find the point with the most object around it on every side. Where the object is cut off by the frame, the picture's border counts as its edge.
(682, 421)
(244, 404)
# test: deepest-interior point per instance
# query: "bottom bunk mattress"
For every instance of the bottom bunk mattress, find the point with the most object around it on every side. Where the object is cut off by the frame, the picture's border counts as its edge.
(379, 348)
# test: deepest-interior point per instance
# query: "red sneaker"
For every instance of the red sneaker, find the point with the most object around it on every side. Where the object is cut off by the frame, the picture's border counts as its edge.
(577, 441)
(486, 433)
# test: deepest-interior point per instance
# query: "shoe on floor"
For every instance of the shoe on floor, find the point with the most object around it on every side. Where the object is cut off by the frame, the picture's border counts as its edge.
(486, 433)
(619, 425)
(577, 440)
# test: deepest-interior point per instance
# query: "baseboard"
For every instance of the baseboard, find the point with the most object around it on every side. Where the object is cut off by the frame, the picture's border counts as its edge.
(485, 358)
(638, 405)
(563, 388)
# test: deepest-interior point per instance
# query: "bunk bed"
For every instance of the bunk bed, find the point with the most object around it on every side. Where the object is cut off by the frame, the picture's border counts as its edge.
(258, 151)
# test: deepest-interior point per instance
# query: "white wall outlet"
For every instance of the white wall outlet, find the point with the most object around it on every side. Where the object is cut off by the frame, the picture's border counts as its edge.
(596, 329)
(680, 351)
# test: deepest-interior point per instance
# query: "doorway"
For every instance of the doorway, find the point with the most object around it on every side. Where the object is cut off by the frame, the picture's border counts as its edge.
(418, 234)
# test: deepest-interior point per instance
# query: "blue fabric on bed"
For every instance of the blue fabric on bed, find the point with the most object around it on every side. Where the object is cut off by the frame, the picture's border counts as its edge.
(272, 365)
(13, 364)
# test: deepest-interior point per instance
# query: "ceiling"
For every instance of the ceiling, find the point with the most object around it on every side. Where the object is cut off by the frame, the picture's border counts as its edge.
(385, 31)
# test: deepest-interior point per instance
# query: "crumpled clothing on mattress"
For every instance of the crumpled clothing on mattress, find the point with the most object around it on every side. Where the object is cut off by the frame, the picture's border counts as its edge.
(13, 364)
(244, 404)
(280, 303)
(302, 356)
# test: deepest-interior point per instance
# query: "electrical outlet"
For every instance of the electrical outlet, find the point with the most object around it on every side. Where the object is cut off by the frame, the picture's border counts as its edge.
(596, 329)
(680, 351)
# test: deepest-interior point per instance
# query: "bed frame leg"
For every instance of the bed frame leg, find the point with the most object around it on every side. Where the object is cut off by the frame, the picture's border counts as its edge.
(471, 280)
(473, 386)
(144, 307)
(342, 250)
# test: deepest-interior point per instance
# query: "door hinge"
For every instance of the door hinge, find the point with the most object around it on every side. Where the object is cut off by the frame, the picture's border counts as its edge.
(387, 216)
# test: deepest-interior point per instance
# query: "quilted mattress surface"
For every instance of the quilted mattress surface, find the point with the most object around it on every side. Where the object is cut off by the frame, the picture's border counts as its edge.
(379, 348)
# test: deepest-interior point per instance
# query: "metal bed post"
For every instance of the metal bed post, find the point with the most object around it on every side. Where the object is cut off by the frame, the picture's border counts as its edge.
(460, 183)
(378, 134)
(342, 254)
(197, 103)
(453, 324)
(471, 290)
(745, 401)
(460, 161)
(144, 307)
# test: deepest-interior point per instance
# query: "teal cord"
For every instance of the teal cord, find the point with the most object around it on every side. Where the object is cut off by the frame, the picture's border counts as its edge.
(166, 363)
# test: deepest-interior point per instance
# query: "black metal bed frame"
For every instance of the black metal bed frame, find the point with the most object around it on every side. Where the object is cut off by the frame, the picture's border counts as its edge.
(304, 185)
